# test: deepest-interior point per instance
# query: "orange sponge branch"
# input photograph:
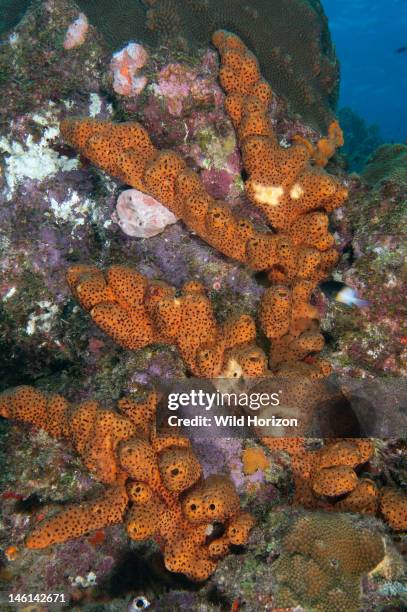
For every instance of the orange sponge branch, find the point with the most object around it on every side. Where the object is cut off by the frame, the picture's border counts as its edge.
(282, 181)
(125, 151)
(289, 185)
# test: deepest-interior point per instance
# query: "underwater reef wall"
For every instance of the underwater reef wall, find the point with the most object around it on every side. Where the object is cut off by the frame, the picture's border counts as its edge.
(58, 212)
(282, 183)
(387, 164)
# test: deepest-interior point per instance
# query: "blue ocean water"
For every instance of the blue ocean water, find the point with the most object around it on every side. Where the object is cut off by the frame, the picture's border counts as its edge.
(367, 34)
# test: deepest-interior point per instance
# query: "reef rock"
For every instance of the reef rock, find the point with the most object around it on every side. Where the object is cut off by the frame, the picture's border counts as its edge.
(373, 340)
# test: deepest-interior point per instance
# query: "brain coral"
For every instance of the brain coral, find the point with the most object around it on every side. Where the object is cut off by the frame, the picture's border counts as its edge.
(290, 38)
(323, 560)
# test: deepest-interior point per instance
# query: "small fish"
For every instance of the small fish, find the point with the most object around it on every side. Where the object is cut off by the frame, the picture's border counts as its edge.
(401, 50)
(335, 290)
(138, 603)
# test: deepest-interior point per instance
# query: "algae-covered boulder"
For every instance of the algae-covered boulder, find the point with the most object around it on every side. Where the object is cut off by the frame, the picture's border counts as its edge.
(388, 163)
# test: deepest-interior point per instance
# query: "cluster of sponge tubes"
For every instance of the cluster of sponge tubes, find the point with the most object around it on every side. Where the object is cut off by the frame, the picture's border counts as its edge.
(137, 312)
(328, 479)
(294, 194)
(154, 479)
(293, 191)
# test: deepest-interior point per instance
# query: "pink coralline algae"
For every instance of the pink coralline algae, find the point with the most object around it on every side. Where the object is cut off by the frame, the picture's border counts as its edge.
(176, 83)
(125, 66)
(141, 216)
(76, 33)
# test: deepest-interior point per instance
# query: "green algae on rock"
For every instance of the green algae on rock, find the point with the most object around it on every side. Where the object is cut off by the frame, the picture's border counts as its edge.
(372, 341)
(388, 163)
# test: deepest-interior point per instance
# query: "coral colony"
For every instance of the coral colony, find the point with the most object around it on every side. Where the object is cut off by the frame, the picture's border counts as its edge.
(154, 483)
